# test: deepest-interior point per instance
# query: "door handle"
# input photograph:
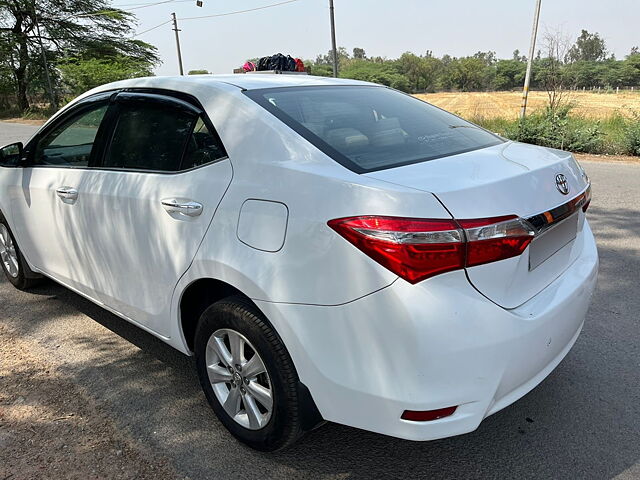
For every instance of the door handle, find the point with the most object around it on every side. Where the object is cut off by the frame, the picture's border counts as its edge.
(67, 193)
(188, 208)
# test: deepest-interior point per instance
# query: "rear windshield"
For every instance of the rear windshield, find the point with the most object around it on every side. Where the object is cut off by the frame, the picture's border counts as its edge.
(372, 128)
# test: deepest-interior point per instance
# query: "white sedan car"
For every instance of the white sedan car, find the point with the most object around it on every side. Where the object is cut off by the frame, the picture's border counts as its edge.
(329, 250)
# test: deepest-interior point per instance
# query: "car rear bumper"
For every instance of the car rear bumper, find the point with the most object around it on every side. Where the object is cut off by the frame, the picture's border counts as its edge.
(433, 345)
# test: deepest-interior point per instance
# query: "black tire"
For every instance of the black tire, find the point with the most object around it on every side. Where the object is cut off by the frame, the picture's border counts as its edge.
(285, 425)
(25, 278)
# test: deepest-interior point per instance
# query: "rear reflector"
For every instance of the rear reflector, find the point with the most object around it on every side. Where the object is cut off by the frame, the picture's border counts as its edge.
(416, 249)
(427, 415)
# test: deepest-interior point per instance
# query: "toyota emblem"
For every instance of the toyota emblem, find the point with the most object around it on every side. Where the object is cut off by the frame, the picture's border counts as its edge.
(561, 184)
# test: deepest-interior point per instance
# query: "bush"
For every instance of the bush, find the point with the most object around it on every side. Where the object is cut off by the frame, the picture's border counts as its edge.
(558, 129)
(632, 136)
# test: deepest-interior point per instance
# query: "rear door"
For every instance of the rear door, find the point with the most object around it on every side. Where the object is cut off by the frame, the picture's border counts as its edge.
(146, 206)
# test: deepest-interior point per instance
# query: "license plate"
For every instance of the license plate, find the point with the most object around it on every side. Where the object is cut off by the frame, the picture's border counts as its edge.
(552, 240)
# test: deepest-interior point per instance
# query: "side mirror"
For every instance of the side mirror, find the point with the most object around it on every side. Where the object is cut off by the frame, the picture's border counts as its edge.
(11, 155)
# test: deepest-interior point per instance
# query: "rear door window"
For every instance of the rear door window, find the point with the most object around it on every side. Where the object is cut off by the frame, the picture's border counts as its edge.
(368, 128)
(156, 133)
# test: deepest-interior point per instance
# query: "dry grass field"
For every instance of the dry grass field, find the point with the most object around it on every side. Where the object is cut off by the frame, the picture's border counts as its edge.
(507, 104)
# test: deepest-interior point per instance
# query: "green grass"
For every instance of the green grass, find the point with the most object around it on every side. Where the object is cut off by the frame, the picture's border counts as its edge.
(34, 113)
(614, 135)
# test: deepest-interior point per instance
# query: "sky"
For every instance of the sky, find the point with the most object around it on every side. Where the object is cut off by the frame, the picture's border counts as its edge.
(301, 28)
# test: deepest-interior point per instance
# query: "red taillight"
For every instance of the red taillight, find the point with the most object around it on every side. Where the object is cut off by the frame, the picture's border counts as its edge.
(412, 248)
(493, 239)
(416, 249)
(427, 415)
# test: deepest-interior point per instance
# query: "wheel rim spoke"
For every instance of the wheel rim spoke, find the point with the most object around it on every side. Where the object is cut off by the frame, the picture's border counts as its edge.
(261, 394)
(232, 403)
(237, 348)
(219, 374)
(253, 412)
(8, 254)
(253, 367)
(221, 351)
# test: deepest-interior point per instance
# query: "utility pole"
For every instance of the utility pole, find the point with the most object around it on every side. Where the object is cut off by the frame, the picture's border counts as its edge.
(175, 29)
(52, 97)
(532, 48)
(333, 39)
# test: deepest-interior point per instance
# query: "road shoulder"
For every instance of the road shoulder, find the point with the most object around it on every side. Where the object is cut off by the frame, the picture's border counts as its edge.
(51, 428)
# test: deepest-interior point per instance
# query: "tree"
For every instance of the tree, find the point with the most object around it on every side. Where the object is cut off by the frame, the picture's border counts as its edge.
(468, 73)
(550, 70)
(198, 72)
(518, 57)
(588, 47)
(411, 67)
(327, 59)
(509, 74)
(80, 75)
(359, 54)
(80, 29)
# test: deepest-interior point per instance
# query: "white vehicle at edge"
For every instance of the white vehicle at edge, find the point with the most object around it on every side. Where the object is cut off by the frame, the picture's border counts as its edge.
(329, 250)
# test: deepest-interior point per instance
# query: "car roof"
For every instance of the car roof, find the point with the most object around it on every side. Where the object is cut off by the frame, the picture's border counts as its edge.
(249, 81)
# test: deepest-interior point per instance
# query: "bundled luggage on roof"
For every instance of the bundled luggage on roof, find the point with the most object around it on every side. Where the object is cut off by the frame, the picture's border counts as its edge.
(277, 63)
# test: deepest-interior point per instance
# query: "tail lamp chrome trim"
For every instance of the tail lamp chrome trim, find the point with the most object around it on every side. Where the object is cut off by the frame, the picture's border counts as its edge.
(515, 227)
(447, 236)
(541, 222)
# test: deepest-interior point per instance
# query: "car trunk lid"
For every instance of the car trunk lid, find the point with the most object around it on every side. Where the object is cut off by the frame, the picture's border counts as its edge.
(510, 179)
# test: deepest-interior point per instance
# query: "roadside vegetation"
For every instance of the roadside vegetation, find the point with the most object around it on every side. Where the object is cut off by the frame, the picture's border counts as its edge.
(613, 135)
(84, 42)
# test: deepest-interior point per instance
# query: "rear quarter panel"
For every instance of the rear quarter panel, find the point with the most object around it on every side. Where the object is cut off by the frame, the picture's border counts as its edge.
(315, 265)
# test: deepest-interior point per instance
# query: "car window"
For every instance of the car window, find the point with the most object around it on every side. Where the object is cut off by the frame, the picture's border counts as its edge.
(70, 144)
(203, 147)
(149, 137)
(371, 128)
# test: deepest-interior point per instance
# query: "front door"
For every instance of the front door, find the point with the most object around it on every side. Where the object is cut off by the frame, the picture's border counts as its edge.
(44, 201)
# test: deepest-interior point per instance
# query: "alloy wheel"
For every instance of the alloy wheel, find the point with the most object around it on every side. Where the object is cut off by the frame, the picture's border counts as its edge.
(239, 378)
(8, 254)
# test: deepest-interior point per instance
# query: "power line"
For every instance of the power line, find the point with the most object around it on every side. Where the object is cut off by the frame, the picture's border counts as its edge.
(152, 28)
(106, 12)
(240, 11)
(147, 5)
(140, 5)
(150, 3)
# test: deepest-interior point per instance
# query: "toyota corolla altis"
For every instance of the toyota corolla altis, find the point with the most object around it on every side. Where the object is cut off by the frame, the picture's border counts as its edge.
(329, 250)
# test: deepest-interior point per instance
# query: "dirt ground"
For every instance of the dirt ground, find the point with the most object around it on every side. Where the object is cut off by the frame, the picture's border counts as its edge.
(51, 429)
(25, 121)
(606, 158)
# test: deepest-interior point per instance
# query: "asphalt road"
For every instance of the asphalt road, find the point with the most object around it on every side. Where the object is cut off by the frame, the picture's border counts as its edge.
(15, 132)
(583, 421)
